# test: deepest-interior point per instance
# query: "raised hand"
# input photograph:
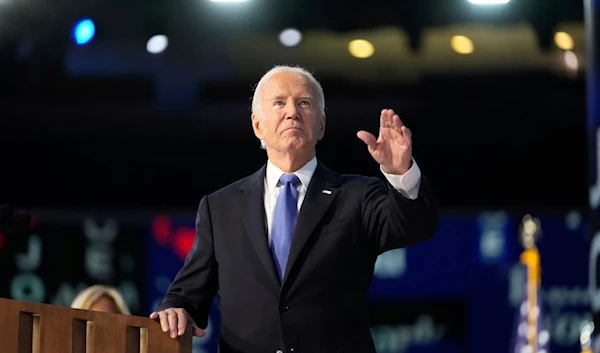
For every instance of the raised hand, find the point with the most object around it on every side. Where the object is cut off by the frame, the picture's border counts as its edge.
(393, 148)
(175, 321)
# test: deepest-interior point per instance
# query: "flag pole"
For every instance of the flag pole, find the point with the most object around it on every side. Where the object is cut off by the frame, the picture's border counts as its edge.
(530, 257)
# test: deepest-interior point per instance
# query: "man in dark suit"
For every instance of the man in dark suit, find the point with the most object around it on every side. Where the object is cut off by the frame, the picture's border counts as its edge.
(291, 249)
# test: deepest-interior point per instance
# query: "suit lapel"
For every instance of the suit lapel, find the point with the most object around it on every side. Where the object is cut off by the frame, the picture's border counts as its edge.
(320, 194)
(252, 208)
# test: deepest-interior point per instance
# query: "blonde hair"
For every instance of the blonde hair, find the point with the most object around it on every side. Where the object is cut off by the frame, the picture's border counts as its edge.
(86, 298)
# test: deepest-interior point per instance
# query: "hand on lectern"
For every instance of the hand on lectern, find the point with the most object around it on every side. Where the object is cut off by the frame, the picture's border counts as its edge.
(175, 321)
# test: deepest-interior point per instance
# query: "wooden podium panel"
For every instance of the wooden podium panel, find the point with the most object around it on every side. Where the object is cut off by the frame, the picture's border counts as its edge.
(40, 328)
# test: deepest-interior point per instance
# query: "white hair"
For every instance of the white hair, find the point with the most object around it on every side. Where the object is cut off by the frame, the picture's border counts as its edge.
(279, 69)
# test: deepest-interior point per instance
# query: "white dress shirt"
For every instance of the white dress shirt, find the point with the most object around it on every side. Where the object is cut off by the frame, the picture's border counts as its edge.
(407, 184)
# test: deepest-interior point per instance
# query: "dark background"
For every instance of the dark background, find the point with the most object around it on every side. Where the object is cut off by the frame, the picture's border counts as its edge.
(108, 131)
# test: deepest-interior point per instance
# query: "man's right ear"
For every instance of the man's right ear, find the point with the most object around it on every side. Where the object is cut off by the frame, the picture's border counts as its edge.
(256, 126)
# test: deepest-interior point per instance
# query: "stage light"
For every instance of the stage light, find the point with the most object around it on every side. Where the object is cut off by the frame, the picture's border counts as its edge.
(571, 60)
(489, 2)
(290, 37)
(228, 0)
(157, 44)
(83, 31)
(462, 45)
(360, 48)
(564, 41)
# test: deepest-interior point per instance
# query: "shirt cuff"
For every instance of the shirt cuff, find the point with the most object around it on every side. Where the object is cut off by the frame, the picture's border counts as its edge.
(407, 184)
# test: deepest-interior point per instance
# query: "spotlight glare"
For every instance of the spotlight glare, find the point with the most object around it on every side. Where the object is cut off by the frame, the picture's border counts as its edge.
(83, 31)
(157, 44)
(290, 37)
(489, 2)
(361, 48)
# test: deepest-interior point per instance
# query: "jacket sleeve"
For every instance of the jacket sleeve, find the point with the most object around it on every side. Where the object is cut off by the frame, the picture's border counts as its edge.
(394, 221)
(196, 284)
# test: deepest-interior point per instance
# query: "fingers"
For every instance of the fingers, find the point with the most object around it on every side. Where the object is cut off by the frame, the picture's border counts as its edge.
(182, 320)
(386, 120)
(164, 320)
(389, 119)
(383, 119)
(406, 132)
(172, 320)
(198, 332)
(396, 122)
(367, 138)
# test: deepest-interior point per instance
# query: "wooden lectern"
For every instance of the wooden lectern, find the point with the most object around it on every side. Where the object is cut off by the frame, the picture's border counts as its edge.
(40, 328)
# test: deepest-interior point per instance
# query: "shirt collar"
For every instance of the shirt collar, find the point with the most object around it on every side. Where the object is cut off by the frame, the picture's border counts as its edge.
(304, 174)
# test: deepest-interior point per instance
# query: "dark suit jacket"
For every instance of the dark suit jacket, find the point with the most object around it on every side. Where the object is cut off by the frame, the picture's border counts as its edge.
(321, 304)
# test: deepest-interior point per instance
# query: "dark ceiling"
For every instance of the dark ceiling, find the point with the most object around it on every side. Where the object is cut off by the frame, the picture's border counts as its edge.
(143, 17)
(488, 140)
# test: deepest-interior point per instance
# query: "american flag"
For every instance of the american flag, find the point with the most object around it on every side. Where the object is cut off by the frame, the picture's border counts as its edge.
(530, 335)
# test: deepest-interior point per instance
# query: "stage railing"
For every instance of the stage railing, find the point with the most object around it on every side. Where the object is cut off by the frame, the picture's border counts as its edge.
(40, 328)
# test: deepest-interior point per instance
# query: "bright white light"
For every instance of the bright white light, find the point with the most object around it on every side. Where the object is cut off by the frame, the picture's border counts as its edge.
(290, 37)
(228, 0)
(157, 44)
(571, 60)
(489, 2)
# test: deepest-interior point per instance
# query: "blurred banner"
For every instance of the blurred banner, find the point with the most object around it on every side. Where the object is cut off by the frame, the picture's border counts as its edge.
(420, 326)
(459, 292)
(65, 253)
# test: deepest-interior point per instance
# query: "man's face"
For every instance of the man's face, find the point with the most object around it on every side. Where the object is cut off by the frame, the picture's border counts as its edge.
(289, 119)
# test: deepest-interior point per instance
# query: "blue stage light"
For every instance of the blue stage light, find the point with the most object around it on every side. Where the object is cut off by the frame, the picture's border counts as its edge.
(83, 31)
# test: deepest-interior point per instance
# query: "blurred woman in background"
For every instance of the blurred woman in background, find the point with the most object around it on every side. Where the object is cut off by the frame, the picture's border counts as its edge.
(101, 298)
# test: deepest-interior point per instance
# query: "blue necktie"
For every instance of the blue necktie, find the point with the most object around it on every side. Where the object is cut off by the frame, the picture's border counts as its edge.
(284, 221)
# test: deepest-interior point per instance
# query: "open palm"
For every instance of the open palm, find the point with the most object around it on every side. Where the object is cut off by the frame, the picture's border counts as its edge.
(393, 148)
